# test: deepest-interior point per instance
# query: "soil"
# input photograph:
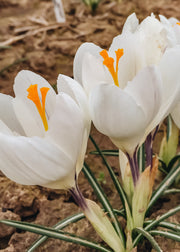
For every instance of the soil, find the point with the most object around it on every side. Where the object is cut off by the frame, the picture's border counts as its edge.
(36, 42)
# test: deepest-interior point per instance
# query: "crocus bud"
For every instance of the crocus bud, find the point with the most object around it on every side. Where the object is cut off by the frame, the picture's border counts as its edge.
(103, 226)
(169, 143)
(142, 193)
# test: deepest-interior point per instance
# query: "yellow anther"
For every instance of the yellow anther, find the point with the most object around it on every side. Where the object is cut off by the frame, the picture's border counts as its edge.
(109, 63)
(40, 104)
(178, 23)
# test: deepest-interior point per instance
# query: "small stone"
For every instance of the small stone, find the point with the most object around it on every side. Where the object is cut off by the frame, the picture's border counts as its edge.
(6, 230)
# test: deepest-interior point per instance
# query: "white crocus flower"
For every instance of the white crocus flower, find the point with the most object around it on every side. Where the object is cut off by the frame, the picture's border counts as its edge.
(133, 86)
(173, 24)
(43, 135)
(127, 100)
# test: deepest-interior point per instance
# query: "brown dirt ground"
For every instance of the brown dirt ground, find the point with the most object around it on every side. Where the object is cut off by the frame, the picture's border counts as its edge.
(39, 44)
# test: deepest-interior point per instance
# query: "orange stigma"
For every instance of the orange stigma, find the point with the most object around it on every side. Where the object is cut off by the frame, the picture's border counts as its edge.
(40, 104)
(109, 63)
(178, 23)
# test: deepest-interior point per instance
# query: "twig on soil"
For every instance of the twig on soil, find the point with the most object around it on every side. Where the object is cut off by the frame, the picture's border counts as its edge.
(31, 33)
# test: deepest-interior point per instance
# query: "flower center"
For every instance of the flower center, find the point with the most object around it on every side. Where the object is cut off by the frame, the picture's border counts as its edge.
(40, 104)
(109, 63)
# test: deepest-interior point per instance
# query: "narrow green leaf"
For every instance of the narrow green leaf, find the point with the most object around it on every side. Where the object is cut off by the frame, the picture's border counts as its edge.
(141, 158)
(154, 223)
(167, 234)
(38, 229)
(5, 47)
(106, 152)
(150, 238)
(172, 162)
(64, 223)
(168, 180)
(103, 199)
(112, 174)
(165, 224)
(172, 190)
(60, 225)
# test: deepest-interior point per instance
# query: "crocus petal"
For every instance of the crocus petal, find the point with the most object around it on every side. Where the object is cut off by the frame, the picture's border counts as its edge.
(7, 114)
(169, 68)
(122, 116)
(146, 88)
(171, 36)
(132, 60)
(131, 23)
(4, 129)
(71, 87)
(33, 161)
(176, 115)
(123, 162)
(94, 72)
(66, 126)
(25, 109)
(78, 59)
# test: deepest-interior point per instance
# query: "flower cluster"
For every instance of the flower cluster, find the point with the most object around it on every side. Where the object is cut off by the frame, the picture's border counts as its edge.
(126, 91)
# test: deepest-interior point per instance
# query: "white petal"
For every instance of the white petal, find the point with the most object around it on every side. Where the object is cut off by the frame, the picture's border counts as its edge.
(116, 114)
(78, 60)
(131, 23)
(30, 120)
(132, 60)
(66, 126)
(24, 105)
(4, 129)
(7, 114)
(94, 72)
(152, 39)
(123, 115)
(169, 68)
(33, 161)
(176, 115)
(123, 161)
(146, 89)
(75, 91)
(172, 41)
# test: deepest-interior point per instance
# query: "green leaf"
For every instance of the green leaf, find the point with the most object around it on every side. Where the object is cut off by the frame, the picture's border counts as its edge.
(167, 234)
(113, 176)
(103, 199)
(38, 229)
(150, 238)
(165, 224)
(141, 158)
(106, 152)
(64, 223)
(172, 190)
(155, 223)
(168, 180)
(172, 162)
(60, 225)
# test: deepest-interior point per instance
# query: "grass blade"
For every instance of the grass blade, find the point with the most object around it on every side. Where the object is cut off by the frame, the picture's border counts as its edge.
(156, 222)
(106, 152)
(50, 232)
(169, 179)
(150, 238)
(64, 223)
(166, 224)
(103, 199)
(167, 234)
(60, 225)
(112, 174)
